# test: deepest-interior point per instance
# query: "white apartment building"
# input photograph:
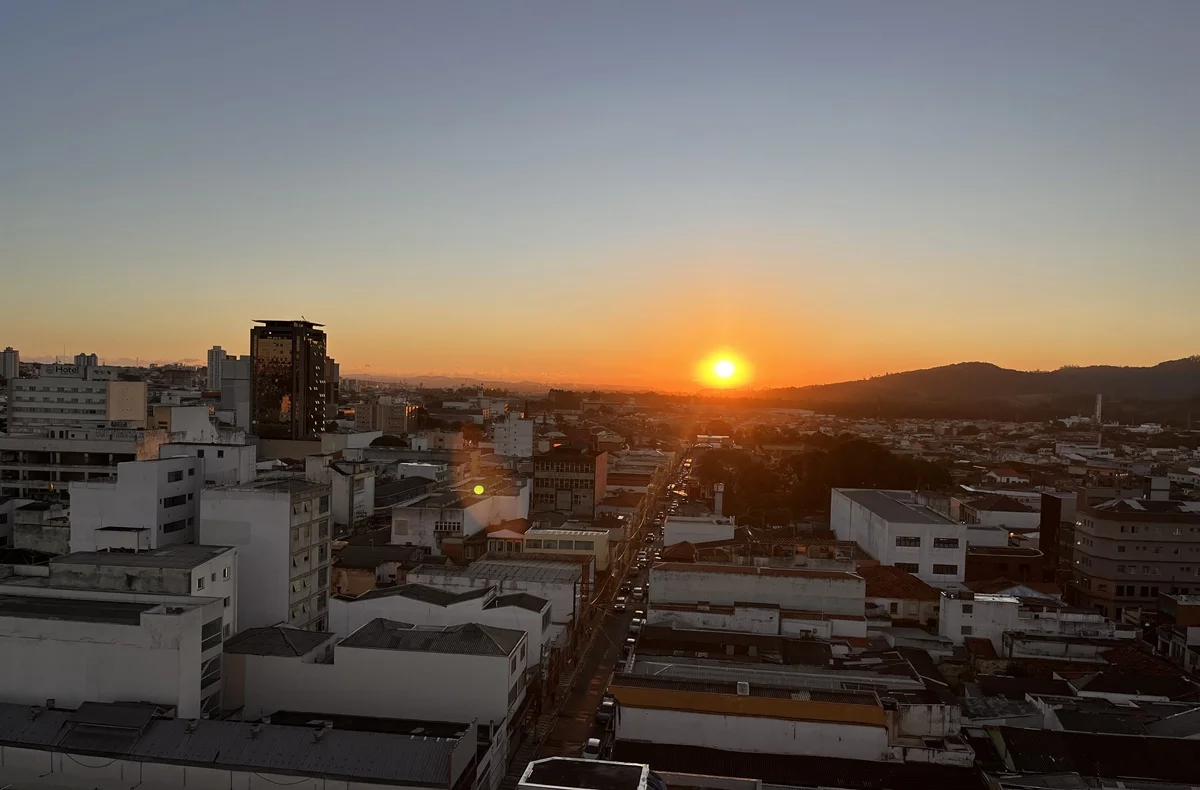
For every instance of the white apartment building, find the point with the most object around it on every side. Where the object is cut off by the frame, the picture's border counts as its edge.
(435, 517)
(761, 600)
(352, 486)
(429, 606)
(469, 672)
(180, 569)
(513, 437)
(74, 396)
(41, 465)
(10, 363)
(150, 504)
(281, 529)
(697, 529)
(216, 356)
(897, 530)
(76, 646)
(221, 464)
(966, 614)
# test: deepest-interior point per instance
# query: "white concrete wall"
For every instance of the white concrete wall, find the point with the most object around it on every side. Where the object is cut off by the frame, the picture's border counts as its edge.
(851, 521)
(398, 684)
(563, 597)
(138, 499)
(222, 464)
(818, 593)
(755, 734)
(513, 438)
(75, 662)
(259, 526)
(416, 525)
(695, 530)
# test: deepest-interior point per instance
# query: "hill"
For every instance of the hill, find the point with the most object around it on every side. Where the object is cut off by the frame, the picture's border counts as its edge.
(1172, 380)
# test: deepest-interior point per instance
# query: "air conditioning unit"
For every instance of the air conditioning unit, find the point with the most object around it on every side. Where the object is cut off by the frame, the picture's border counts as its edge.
(743, 689)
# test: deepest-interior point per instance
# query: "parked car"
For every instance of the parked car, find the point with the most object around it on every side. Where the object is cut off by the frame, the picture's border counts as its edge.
(635, 625)
(604, 713)
(591, 750)
(619, 606)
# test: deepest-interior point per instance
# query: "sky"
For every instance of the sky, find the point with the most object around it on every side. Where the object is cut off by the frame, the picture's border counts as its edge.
(605, 193)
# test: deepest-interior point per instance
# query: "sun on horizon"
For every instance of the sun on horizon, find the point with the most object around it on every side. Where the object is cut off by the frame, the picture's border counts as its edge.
(724, 369)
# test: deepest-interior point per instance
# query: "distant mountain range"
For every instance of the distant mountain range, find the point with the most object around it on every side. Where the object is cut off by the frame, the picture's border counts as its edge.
(1173, 380)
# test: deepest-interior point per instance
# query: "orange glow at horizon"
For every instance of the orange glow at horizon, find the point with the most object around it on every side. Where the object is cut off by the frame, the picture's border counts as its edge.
(723, 370)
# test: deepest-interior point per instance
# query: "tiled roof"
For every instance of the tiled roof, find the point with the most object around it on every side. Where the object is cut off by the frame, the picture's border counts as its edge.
(980, 647)
(999, 503)
(1002, 586)
(471, 639)
(426, 594)
(522, 600)
(1102, 755)
(276, 640)
(886, 581)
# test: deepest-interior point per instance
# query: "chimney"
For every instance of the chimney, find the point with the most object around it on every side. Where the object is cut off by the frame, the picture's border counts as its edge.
(719, 499)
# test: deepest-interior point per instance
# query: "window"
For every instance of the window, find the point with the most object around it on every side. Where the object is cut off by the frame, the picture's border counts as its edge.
(322, 600)
(213, 577)
(908, 541)
(323, 529)
(228, 600)
(175, 477)
(225, 573)
(199, 584)
(549, 544)
(174, 526)
(323, 577)
(1145, 592)
(947, 570)
(894, 607)
(175, 501)
(911, 567)
(584, 545)
(1120, 590)
(945, 543)
(324, 504)
(199, 453)
(191, 473)
(966, 630)
(968, 608)
(220, 453)
(512, 665)
(1120, 549)
(533, 544)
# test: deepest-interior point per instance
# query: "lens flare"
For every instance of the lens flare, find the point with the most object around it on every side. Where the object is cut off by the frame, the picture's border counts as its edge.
(478, 490)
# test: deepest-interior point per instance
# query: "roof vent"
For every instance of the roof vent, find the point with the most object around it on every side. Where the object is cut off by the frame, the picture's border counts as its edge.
(191, 725)
(255, 729)
(743, 689)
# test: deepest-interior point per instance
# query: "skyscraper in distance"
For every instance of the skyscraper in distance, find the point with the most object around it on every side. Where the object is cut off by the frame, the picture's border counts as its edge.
(10, 363)
(216, 355)
(287, 385)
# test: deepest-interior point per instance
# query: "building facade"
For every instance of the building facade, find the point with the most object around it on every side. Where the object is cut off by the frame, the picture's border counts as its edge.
(569, 480)
(74, 396)
(42, 465)
(281, 528)
(513, 437)
(151, 504)
(288, 380)
(216, 356)
(10, 363)
(896, 529)
(386, 413)
(1127, 551)
(236, 373)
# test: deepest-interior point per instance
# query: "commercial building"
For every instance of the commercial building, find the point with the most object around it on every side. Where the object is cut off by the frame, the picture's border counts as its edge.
(10, 363)
(964, 615)
(79, 645)
(76, 397)
(569, 480)
(1127, 551)
(760, 600)
(470, 672)
(151, 504)
(282, 533)
(896, 529)
(387, 413)
(351, 483)
(41, 465)
(513, 436)
(563, 584)
(216, 357)
(697, 529)
(288, 380)
(182, 569)
(433, 606)
(104, 745)
(575, 542)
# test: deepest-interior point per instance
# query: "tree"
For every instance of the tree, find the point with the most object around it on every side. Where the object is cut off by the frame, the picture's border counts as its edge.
(388, 440)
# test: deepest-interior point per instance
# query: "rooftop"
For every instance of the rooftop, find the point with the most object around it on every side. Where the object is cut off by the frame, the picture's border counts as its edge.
(887, 581)
(80, 610)
(895, 506)
(276, 640)
(753, 570)
(279, 485)
(426, 594)
(466, 639)
(521, 600)
(523, 570)
(371, 557)
(1100, 755)
(730, 688)
(999, 503)
(1148, 507)
(179, 555)
(583, 774)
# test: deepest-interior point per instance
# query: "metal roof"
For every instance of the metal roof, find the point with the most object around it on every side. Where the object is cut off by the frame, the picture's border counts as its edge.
(889, 505)
(423, 592)
(520, 599)
(73, 609)
(465, 639)
(519, 570)
(276, 640)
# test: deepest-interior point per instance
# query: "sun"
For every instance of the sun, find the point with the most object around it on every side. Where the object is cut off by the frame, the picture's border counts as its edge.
(724, 368)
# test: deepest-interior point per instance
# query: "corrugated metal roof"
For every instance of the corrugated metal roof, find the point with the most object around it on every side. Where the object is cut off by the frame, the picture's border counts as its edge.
(276, 640)
(465, 639)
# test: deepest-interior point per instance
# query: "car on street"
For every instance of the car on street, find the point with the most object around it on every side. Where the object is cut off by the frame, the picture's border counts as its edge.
(619, 606)
(591, 750)
(640, 614)
(635, 625)
(604, 713)
(639, 594)
(626, 586)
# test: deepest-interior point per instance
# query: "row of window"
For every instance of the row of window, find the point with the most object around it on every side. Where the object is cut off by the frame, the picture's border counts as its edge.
(1147, 570)
(562, 484)
(1175, 550)
(938, 569)
(1134, 529)
(175, 526)
(35, 388)
(573, 545)
(39, 409)
(303, 535)
(912, 542)
(213, 576)
(18, 398)
(177, 500)
(565, 466)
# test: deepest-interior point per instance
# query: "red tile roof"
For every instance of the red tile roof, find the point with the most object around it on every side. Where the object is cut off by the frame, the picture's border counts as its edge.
(996, 586)
(886, 581)
(980, 647)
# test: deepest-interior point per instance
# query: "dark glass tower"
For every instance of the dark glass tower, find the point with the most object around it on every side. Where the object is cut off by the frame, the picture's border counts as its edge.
(287, 384)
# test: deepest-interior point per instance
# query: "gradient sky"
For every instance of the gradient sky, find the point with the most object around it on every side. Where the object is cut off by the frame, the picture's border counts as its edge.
(605, 192)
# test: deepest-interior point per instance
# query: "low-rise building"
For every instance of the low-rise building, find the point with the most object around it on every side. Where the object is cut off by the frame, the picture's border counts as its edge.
(564, 584)
(569, 480)
(896, 529)
(351, 483)
(697, 529)
(992, 617)
(513, 436)
(77, 397)
(455, 514)
(576, 542)
(223, 464)
(900, 594)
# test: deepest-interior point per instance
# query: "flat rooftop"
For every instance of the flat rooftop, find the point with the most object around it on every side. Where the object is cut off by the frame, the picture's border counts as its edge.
(517, 570)
(80, 610)
(467, 639)
(282, 485)
(583, 774)
(894, 506)
(181, 556)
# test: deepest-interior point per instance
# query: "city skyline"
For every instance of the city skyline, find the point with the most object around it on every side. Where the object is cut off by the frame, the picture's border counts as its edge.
(606, 195)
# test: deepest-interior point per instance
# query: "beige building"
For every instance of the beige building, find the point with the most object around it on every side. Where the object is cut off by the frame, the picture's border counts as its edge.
(386, 413)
